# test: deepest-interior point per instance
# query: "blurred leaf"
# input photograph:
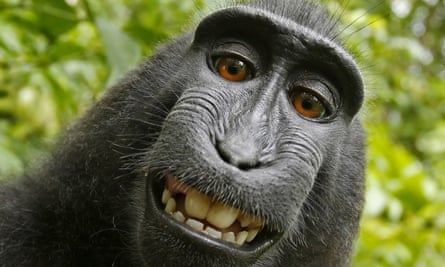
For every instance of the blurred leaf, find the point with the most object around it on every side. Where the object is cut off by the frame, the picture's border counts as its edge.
(122, 52)
(59, 17)
(10, 163)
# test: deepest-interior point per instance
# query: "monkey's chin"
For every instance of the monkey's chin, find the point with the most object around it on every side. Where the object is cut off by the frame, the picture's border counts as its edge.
(160, 229)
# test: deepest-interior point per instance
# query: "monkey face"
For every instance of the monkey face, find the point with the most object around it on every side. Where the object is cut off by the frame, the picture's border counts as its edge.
(247, 167)
(238, 144)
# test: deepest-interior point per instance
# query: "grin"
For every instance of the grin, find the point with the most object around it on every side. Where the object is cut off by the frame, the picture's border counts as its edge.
(208, 216)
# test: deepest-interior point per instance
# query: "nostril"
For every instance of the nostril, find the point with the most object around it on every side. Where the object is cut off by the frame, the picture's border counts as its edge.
(248, 166)
(223, 153)
(243, 155)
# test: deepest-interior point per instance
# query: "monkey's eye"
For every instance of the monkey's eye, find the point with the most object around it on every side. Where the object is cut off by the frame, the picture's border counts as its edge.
(309, 105)
(233, 69)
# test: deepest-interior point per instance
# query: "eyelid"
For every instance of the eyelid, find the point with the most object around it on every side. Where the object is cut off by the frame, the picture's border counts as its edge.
(319, 89)
(237, 47)
(239, 51)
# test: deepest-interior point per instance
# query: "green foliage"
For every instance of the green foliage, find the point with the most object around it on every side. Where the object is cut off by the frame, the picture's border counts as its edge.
(399, 44)
(56, 57)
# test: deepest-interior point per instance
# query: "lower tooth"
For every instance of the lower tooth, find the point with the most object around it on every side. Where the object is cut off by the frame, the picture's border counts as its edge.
(198, 226)
(178, 216)
(229, 236)
(213, 232)
(241, 237)
(252, 234)
(170, 207)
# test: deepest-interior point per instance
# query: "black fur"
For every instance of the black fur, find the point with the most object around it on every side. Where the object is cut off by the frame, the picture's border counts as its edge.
(94, 201)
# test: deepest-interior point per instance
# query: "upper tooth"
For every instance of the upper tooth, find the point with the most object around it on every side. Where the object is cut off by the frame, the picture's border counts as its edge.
(171, 205)
(250, 221)
(245, 219)
(222, 216)
(196, 204)
(166, 195)
(256, 223)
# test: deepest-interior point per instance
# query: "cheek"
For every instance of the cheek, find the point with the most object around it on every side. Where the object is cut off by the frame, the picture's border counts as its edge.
(327, 136)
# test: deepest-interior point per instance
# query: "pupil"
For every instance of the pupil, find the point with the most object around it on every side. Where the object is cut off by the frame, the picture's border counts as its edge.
(234, 68)
(307, 104)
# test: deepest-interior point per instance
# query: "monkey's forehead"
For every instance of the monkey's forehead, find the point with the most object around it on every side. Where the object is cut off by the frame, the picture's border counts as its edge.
(296, 30)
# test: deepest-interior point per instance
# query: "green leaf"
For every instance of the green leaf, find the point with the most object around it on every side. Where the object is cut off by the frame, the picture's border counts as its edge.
(57, 16)
(122, 52)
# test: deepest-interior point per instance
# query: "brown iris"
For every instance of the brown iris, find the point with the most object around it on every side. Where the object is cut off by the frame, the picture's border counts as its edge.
(232, 69)
(308, 105)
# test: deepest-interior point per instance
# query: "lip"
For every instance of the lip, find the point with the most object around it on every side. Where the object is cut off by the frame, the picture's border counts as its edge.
(185, 233)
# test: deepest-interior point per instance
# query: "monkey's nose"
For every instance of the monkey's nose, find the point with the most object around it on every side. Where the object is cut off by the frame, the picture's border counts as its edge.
(240, 152)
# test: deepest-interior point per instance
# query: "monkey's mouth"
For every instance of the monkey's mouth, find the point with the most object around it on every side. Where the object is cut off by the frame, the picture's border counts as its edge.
(178, 215)
(208, 216)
